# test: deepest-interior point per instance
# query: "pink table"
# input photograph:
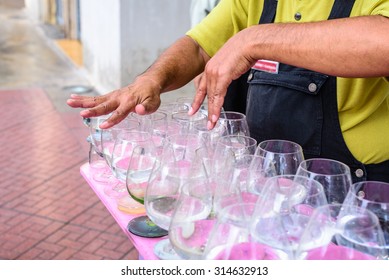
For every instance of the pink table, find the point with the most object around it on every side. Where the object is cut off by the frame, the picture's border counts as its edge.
(145, 246)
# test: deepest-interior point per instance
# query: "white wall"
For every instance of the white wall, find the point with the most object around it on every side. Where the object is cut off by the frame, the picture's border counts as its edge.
(34, 9)
(121, 38)
(148, 28)
(100, 36)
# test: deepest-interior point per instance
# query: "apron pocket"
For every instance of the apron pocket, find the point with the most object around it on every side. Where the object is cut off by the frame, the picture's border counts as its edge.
(287, 105)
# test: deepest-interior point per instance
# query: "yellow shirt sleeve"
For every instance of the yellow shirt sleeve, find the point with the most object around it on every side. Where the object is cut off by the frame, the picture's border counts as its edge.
(371, 7)
(225, 20)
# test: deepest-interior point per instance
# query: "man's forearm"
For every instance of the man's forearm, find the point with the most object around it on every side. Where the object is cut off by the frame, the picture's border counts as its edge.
(352, 47)
(177, 66)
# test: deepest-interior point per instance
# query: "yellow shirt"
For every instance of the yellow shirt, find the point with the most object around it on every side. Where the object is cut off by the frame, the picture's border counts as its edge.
(363, 104)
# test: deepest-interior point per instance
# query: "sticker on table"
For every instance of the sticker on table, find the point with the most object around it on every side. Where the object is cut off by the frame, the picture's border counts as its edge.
(144, 227)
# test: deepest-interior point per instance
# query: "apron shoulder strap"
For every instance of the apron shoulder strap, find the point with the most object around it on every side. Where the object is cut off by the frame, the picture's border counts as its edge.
(341, 9)
(269, 11)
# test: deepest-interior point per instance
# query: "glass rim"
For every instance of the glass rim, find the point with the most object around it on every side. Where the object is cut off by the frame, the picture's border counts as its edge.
(298, 147)
(155, 116)
(95, 122)
(344, 166)
(234, 113)
(355, 189)
(123, 123)
(198, 116)
(251, 139)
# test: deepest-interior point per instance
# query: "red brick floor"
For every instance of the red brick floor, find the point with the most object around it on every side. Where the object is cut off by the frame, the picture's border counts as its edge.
(47, 210)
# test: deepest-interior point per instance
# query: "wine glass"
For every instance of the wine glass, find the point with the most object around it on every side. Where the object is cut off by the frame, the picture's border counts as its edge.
(230, 157)
(108, 138)
(237, 145)
(260, 171)
(241, 176)
(373, 195)
(192, 220)
(210, 137)
(230, 182)
(230, 237)
(102, 172)
(150, 121)
(95, 132)
(339, 231)
(96, 163)
(140, 166)
(133, 157)
(172, 169)
(204, 108)
(169, 108)
(282, 213)
(219, 174)
(284, 155)
(188, 122)
(157, 125)
(335, 176)
(125, 143)
(235, 122)
(187, 101)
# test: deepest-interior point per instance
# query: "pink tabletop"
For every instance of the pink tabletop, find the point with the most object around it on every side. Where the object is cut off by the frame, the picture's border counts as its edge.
(145, 246)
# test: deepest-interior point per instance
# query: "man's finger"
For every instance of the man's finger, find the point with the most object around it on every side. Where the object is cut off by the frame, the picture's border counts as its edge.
(215, 103)
(77, 101)
(119, 114)
(116, 117)
(101, 109)
(201, 93)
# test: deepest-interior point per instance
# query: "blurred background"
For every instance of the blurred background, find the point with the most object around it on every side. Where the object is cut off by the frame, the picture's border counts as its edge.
(49, 49)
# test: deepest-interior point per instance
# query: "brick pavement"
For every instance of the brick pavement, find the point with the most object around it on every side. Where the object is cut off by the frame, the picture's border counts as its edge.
(47, 209)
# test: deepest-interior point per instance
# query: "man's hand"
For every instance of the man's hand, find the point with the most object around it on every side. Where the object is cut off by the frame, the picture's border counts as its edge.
(142, 97)
(229, 63)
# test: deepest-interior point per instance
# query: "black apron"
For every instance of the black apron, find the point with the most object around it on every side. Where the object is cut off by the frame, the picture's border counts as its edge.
(300, 105)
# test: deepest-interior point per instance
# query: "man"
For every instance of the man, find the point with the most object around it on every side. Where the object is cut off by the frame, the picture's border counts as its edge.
(318, 78)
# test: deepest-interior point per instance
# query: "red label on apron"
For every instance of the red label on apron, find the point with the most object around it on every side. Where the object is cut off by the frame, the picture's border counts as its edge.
(266, 66)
